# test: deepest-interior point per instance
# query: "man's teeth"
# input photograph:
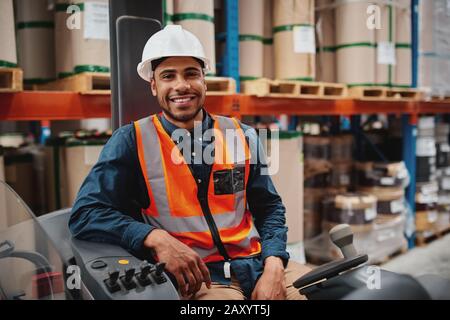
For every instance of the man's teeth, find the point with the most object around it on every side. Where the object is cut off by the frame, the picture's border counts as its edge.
(181, 100)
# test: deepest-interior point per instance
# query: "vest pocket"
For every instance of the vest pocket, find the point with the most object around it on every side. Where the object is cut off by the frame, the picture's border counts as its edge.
(229, 181)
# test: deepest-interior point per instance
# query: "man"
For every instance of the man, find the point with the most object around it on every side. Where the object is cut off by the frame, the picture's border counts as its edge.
(218, 225)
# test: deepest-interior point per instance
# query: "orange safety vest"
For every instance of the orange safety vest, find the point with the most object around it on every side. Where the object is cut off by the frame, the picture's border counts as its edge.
(172, 190)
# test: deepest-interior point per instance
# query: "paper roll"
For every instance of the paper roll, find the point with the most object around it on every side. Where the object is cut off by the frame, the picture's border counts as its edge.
(326, 41)
(268, 68)
(91, 53)
(293, 60)
(8, 54)
(63, 43)
(197, 16)
(355, 52)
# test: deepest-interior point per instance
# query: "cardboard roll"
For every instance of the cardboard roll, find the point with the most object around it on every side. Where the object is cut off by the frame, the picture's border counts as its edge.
(321, 180)
(373, 174)
(392, 207)
(316, 147)
(341, 174)
(442, 155)
(387, 218)
(427, 188)
(8, 53)
(351, 208)
(426, 220)
(341, 148)
(443, 200)
(315, 167)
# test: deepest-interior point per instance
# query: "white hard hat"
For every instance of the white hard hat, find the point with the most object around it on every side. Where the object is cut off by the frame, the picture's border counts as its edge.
(172, 41)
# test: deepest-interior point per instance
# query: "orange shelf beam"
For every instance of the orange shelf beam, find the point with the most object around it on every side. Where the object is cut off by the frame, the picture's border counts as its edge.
(49, 105)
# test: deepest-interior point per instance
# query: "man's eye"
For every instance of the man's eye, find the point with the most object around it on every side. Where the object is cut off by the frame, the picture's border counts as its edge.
(193, 74)
(167, 76)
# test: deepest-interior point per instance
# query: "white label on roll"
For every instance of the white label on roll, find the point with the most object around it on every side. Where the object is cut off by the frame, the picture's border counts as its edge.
(445, 148)
(387, 181)
(370, 214)
(304, 39)
(446, 183)
(386, 53)
(91, 155)
(432, 216)
(96, 21)
(429, 188)
(447, 171)
(397, 206)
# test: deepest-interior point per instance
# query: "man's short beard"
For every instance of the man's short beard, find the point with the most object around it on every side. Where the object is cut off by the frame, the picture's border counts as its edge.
(182, 118)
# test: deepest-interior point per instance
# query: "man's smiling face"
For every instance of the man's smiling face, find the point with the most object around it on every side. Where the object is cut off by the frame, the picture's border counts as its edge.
(179, 84)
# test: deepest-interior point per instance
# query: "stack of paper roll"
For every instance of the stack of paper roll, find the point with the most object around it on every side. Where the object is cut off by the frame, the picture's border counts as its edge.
(8, 54)
(63, 42)
(341, 160)
(403, 51)
(426, 206)
(355, 44)
(426, 150)
(268, 68)
(385, 38)
(325, 30)
(90, 43)
(356, 209)
(294, 39)
(35, 40)
(167, 12)
(251, 30)
(197, 16)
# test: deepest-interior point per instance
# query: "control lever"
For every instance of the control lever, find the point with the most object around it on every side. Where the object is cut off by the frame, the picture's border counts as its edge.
(143, 277)
(111, 282)
(342, 237)
(127, 279)
(158, 272)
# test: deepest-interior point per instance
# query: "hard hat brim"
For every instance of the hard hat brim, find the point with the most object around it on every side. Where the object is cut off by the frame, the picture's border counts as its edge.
(144, 68)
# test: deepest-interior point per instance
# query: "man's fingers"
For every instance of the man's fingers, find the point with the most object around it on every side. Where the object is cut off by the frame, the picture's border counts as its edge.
(190, 280)
(181, 283)
(205, 272)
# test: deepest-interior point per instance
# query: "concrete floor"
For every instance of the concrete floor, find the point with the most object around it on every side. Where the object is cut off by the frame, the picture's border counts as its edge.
(431, 259)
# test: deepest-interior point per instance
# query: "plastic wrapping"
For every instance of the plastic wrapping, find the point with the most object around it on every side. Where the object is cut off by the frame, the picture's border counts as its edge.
(426, 206)
(378, 242)
(373, 174)
(350, 208)
(434, 47)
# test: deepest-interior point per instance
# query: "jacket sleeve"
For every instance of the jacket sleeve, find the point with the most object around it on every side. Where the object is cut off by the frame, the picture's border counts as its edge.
(265, 203)
(109, 202)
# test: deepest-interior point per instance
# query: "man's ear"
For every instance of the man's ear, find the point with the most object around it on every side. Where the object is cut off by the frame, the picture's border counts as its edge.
(153, 86)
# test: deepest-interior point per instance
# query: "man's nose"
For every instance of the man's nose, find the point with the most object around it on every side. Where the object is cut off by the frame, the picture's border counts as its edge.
(182, 84)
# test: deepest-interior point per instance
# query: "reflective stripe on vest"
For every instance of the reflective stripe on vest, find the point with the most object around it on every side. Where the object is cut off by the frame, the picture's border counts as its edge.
(166, 189)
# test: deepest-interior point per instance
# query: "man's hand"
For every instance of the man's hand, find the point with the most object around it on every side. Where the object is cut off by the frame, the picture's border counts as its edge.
(271, 285)
(181, 261)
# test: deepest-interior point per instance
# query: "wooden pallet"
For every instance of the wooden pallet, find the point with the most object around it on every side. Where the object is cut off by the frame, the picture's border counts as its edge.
(293, 89)
(85, 83)
(11, 79)
(384, 93)
(220, 86)
(425, 237)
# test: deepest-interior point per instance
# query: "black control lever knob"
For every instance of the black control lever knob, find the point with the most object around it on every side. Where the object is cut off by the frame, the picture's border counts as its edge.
(113, 276)
(145, 270)
(159, 268)
(129, 273)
